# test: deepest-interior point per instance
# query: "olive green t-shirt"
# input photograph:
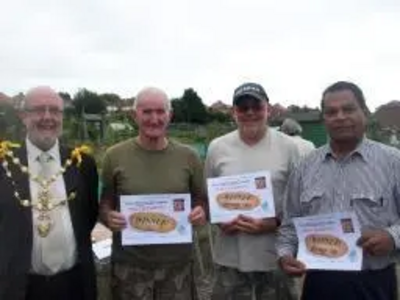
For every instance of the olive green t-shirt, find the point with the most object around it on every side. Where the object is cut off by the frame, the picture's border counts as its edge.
(129, 169)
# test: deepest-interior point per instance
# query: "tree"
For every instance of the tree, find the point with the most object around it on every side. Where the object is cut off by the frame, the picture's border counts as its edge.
(10, 124)
(179, 111)
(66, 97)
(129, 101)
(374, 131)
(294, 108)
(189, 108)
(67, 100)
(112, 99)
(219, 117)
(89, 102)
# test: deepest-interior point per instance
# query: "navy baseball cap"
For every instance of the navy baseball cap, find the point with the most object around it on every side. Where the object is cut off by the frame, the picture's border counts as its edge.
(250, 89)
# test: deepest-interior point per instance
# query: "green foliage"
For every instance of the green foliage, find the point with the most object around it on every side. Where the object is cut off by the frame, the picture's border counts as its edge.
(219, 117)
(189, 108)
(374, 132)
(120, 116)
(65, 96)
(179, 111)
(88, 102)
(113, 137)
(217, 129)
(10, 125)
(111, 99)
(71, 128)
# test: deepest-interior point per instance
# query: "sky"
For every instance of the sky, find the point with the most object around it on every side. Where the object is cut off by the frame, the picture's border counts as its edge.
(295, 49)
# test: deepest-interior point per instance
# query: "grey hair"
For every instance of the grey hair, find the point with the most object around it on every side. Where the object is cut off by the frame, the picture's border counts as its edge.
(291, 127)
(151, 91)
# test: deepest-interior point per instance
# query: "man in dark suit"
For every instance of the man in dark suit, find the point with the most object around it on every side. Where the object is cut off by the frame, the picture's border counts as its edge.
(48, 208)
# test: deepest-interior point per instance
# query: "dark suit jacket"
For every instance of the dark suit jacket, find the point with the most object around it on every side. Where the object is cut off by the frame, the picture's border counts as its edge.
(16, 222)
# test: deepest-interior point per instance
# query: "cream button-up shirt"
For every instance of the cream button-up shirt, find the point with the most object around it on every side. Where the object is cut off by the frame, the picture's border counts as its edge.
(57, 251)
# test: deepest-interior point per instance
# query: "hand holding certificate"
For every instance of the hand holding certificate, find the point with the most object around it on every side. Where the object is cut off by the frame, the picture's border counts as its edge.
(156, 219)
(248, 194)
(329, 242)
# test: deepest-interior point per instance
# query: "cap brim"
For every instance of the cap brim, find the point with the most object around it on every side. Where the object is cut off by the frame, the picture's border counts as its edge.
(248, 95)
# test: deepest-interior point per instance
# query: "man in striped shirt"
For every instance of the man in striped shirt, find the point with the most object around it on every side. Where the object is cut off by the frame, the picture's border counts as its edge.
(351, 173)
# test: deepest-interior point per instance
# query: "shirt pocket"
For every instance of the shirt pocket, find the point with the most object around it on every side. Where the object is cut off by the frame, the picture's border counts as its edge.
(370, 207)
(313, 202)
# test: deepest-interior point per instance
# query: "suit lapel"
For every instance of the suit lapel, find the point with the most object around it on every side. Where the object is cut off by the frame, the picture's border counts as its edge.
(71, 174)
(22, 180)
(71, 180)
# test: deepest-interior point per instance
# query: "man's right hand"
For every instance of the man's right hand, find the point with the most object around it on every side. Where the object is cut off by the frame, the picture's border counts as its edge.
(292, 266)
(115, 220)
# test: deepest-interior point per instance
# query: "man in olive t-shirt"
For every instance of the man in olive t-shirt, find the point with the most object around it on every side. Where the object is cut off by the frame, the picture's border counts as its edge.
(151, 164)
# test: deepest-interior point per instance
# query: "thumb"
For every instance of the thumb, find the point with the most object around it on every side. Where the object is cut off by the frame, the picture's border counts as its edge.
(245, 218)
(196, 209)
(292, 265)
(300, 264)
(365, 236)
(290, 260)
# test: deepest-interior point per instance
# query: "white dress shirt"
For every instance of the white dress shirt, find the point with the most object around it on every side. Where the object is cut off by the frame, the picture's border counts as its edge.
(57, 251)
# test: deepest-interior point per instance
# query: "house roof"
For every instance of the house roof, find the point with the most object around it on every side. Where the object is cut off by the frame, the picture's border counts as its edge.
(388, 115)
(4, 98)
(220, 106)
(309, 116)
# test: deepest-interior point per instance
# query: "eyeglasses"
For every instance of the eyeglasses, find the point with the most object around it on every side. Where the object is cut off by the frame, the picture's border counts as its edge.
(243, 108)
(41, 110)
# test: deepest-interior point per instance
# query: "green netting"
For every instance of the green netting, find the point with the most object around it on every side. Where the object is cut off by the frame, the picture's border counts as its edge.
(201, 149)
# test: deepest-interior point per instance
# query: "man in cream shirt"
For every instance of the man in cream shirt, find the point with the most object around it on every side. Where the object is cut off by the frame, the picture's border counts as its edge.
(244, 249)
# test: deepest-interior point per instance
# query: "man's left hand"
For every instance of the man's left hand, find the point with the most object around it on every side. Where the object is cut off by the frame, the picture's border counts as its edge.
(254, 226)
(197, 216)
(376, 242)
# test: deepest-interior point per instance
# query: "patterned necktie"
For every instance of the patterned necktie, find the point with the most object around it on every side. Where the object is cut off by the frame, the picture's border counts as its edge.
(45, 161)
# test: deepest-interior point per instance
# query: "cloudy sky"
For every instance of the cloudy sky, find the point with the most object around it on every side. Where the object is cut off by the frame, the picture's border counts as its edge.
(294, 48)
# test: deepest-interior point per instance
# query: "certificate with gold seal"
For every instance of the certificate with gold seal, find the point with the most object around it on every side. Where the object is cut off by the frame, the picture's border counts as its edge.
(156, 219)
(329, 241)
(246, 194)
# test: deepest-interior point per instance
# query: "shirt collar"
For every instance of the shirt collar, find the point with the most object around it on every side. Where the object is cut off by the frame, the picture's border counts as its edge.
(362, 150)
(34, 152)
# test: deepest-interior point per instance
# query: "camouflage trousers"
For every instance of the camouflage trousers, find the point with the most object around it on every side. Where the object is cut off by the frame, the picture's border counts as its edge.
(232, 284)
(134, 283)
